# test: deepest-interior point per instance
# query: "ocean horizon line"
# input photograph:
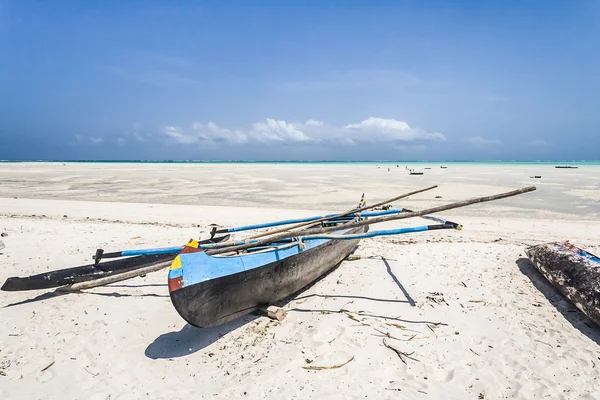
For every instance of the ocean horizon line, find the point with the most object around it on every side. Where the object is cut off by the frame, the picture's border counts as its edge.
(589, 162)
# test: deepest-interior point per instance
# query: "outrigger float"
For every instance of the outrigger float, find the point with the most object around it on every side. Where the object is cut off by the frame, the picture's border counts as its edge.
(217, 280)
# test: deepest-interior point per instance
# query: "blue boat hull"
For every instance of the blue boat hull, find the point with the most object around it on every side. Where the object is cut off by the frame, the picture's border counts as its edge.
(209, 291)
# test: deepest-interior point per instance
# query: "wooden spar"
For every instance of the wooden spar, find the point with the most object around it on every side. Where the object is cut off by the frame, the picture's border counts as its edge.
(353, 211)
(113, 278)
(307, 219)
(217, 249)
(385, 232)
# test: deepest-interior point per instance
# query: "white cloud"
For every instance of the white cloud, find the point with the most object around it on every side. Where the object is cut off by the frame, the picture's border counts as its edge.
(121, 141)
(480, 141)
(177, 134)
(79, 138)
(212, 132)
(376, 129)
(277, 130)
(138, 137)
(96, 140)
(314, 122)
(270, 130)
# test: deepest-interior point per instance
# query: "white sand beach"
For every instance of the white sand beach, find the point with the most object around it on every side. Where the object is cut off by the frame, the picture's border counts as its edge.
(476, 318)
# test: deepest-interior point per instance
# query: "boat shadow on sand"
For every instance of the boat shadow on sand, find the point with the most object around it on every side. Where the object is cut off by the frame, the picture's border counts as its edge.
(191, 339)
(571, 313)
(57, 293)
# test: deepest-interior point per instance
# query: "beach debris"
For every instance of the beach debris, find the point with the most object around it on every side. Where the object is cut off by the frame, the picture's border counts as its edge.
(319, 368)
(438, 197)
(91, 373)
(352, 317)
(353, 257)
(437, 298)
(136, 237)
(396, 325)
(541, 341)
(479, 301)
(65, 216)
(4, 234)
(402, 355)
(481, 396)
(2, 245)
(48, 366)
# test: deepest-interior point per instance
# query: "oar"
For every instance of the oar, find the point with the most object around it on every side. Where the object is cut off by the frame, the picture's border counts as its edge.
(353, 211)
(218, 249)
(297, 220)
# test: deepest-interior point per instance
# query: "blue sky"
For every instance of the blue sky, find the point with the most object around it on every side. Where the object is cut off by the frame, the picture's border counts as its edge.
(301, 80)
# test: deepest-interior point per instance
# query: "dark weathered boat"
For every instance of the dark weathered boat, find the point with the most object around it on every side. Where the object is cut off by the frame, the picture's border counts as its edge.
(90, 272)
(573, 271)
(212, 290)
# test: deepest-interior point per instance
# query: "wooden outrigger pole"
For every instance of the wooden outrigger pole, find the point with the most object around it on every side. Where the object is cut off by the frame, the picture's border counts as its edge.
(225, 248)
(345, 213)
(313, 219)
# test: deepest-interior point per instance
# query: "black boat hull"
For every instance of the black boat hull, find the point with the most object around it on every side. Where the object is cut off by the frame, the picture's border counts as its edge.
(217, 301)
(69, 276)
(574, 272)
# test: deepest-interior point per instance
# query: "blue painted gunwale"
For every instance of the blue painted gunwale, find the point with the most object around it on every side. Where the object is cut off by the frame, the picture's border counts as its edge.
(580, 252)
(200, 267)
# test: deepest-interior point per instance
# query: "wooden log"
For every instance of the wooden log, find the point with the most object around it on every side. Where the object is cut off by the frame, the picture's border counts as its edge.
(574, 272)
(113, 278)
(273, 312)
(350, 225)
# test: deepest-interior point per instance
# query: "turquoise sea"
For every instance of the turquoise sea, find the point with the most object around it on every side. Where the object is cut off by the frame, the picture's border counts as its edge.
(374, 162)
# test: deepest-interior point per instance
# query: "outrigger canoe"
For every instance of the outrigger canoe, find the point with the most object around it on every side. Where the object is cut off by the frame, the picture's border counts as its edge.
(212, 285)
(573, 271)
(69, 276)
(212, 290)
